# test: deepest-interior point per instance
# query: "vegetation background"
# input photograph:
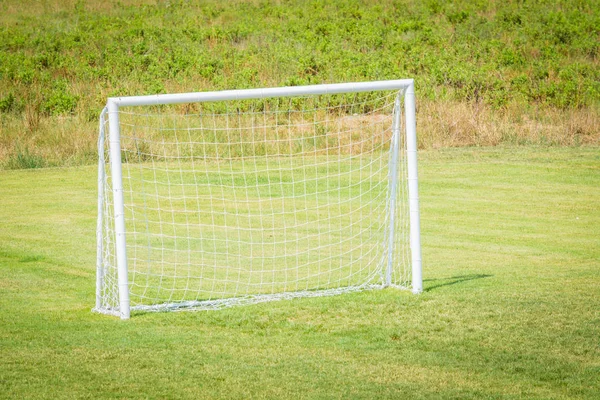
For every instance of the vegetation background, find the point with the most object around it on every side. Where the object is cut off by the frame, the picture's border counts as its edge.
(510, 233)
(487, 72)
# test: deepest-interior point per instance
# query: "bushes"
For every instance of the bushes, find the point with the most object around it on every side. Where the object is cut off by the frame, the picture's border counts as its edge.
(65, 62)
(8, 103)
(59, 101)
(208, 44)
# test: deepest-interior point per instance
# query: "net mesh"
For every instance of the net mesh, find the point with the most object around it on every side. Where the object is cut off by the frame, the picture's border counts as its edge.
(237, 202)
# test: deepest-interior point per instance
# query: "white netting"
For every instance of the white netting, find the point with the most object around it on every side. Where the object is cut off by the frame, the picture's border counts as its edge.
(237, 202)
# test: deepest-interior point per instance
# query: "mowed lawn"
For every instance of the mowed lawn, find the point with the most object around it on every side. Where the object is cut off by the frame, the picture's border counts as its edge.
(511, 308)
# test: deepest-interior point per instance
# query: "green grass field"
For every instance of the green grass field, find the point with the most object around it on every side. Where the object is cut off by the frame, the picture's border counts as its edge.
(511, 250)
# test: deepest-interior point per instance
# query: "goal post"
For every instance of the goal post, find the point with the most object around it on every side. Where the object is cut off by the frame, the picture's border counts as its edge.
(214, 199)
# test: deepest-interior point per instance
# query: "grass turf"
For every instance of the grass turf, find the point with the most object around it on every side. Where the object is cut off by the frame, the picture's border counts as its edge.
(511, 249)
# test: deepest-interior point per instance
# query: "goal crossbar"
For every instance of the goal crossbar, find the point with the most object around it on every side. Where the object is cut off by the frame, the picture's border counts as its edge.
(111, 115)
(247, 94)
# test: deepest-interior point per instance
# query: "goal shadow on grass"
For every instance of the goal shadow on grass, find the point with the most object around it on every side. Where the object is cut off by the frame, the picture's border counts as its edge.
(441, 282)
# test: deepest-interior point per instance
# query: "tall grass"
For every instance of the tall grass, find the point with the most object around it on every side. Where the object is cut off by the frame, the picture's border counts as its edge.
(486, 72)
(24, 159)
(455, 124)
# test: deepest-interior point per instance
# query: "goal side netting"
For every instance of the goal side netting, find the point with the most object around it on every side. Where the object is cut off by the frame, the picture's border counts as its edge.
(215, 199)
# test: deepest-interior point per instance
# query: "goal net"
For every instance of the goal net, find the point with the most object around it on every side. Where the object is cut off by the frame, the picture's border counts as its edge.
(214, 199)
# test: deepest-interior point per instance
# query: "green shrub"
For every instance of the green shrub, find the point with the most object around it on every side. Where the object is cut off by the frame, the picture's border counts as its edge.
(510, 18)
(510, 57)
(60, 101)
(458, 17)
(7, 103)
(435, 6)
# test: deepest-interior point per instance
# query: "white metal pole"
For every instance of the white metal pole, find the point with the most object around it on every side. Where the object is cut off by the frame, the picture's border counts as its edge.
(413, 189)
(119, 209)
(99, 247)
(393, 189)
(351, 87)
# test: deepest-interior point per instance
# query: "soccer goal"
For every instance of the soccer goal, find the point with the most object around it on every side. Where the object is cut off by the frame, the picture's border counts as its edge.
(214, 199)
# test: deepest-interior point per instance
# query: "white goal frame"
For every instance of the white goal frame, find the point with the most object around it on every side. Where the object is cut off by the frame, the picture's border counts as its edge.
(111, 112)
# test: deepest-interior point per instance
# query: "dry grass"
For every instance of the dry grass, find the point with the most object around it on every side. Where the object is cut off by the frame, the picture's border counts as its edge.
(72, 140)
(456, 124)
(58, 141)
